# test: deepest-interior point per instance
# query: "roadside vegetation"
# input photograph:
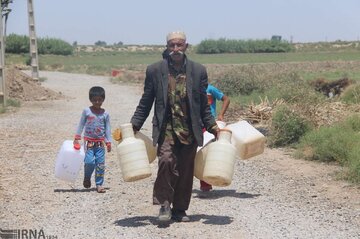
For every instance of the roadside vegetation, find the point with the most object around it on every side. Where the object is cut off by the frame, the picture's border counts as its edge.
(9, 104)
(316, 124)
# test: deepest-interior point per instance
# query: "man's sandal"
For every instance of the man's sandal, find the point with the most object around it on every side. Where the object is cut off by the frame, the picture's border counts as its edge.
(100, 189)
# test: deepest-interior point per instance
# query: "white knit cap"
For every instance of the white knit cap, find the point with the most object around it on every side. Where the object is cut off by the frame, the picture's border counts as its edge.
(175, 35)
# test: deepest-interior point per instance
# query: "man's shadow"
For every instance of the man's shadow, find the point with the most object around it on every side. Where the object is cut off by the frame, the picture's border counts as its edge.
(62, 190)
(215, 194)
(207, 219)
(140, 221)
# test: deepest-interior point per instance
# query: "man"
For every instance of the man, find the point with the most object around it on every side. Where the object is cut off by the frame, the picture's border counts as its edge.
(177, 88)
(214, 94)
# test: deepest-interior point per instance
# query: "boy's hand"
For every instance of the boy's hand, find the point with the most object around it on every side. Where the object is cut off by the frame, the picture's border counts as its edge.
(220, 117)
(108, 147)
(76, 144)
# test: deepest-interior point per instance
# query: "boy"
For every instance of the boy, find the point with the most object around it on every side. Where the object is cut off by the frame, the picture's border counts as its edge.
(95, 122)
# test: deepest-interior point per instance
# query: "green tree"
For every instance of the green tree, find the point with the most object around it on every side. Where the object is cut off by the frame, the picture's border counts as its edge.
(100, 43)
(17, 44)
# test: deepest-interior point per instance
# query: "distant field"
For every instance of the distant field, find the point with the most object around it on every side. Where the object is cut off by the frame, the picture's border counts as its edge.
(102, 62)
(275, 57)
(130, 58)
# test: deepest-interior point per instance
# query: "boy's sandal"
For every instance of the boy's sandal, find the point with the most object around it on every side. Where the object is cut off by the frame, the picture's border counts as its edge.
(100, 189)
(87, 183)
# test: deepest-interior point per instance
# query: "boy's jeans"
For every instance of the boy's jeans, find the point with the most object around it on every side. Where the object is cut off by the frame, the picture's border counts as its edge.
(95, 157)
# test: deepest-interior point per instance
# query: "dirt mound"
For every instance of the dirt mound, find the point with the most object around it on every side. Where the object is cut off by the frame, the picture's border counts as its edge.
(22, 87)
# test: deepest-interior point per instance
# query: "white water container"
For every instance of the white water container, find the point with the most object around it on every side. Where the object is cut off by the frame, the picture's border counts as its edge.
(200, 161)
(248, 141)
(69, 161)
(207, 139)
(151, 150)
(221, 124)
(220, 160)
(131, 152)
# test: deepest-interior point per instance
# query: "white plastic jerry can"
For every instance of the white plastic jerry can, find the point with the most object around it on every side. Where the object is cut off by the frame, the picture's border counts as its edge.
(151, 150)
(220, 160)
(69, 161)
(132, 154)
(200, 161)
(202, 152)
(248, 141)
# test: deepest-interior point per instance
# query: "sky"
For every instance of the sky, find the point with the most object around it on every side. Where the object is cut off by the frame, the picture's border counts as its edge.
(147, 22)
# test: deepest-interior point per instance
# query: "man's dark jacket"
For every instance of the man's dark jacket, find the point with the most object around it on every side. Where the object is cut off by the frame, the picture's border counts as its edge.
(156, 91)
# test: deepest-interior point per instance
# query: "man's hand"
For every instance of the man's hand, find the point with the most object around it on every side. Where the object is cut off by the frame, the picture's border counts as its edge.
(135, 129)
(215, 130)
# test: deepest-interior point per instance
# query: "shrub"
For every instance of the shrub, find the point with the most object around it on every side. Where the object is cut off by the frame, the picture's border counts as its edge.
(292, 88)
(327, 144)
(354, 165)
(28, 60)
(332, 143)
(13, 102)
(353, 122)
(9, 102)
(286, 127)
(351, 95)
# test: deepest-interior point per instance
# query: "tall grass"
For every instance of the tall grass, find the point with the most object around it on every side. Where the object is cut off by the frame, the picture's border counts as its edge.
(352, 94)
(339, 142)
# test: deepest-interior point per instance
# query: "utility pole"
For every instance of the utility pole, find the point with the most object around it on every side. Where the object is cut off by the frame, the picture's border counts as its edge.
(2, 60)
(33, 42)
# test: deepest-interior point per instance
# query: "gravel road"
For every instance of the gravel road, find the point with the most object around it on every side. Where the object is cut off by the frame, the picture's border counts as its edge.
(271, 196)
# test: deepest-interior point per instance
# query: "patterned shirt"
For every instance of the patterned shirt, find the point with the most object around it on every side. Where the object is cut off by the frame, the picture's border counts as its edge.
(179, 123)
(96, 126)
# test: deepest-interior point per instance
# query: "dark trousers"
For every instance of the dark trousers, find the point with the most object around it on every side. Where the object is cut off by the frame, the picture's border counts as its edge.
(174, 179)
